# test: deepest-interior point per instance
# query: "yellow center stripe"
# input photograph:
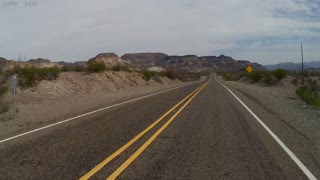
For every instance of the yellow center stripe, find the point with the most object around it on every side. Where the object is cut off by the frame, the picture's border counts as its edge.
(124, 147)
(150, 140)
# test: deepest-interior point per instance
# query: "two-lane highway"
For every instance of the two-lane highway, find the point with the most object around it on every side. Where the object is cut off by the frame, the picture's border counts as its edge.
(199, 131)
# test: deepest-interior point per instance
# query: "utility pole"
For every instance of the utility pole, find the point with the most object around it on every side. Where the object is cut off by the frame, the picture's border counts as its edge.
(302, 59)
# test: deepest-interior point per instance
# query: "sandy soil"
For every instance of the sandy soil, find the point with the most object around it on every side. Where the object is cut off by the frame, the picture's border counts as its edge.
(281, 100)
(73, 94)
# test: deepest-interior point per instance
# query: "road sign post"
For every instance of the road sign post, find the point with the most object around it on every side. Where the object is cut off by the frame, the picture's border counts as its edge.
(14, 93)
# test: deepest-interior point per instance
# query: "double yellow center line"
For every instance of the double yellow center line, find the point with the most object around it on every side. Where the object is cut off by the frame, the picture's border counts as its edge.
(188, 99)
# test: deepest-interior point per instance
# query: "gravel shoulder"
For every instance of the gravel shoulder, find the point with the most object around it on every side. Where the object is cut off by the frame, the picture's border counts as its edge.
(281, 101)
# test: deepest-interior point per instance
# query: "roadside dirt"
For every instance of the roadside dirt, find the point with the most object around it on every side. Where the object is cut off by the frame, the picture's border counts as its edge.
(76, 93)
(281, 101)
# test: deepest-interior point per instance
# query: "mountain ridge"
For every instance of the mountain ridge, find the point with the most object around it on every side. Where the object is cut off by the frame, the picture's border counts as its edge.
(178, 63)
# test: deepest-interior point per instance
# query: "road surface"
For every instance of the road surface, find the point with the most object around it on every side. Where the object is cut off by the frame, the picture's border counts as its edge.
(209, 135)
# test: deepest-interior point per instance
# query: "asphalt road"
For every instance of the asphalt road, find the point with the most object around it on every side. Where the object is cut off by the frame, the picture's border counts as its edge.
(210, 135)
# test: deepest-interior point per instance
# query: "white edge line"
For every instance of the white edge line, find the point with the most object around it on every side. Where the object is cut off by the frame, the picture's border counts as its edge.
(305, 170)
(92, 112)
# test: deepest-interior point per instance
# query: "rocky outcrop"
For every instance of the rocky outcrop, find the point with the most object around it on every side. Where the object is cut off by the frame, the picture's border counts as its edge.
(143, 60)
(42, 63)
(109, 59)
(156, 69)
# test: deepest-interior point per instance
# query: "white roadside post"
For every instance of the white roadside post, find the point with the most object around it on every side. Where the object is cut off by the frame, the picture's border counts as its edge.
(14, 93)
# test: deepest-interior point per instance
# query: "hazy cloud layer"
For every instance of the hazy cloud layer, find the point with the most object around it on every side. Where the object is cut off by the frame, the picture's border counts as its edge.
(259, 30)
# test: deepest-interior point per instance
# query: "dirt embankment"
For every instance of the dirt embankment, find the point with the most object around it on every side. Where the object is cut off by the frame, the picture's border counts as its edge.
(75, 93)
(281, 100)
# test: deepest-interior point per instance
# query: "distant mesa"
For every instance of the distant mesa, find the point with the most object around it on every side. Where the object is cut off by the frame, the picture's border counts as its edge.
(157, 62)
(143, 60)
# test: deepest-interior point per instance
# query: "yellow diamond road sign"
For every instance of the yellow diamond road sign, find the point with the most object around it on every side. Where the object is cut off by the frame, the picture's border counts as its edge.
(249, 69)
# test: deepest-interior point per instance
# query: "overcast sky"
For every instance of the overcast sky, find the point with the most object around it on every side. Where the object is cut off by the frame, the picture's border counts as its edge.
(264, 31)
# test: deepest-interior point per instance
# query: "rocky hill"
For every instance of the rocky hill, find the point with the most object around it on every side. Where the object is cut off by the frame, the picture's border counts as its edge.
(109, 59)
(189, 63)
(144, 60)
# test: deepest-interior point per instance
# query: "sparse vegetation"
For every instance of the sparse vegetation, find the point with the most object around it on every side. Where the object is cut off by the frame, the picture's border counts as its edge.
(309, 94)
(168, 74)
(73, 68)
(186, 76)
(256, 76)
(267, 78)
(234, 76)
(121, 68)
(147, 75)
(4, 105)
(279, 74)
(31, 76)
(3, 89)
(97, 66)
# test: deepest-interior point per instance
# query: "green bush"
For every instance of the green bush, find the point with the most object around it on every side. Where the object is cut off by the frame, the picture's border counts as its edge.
(169, 74)
(96, 66)
(31, 76)
(267, 78)
(232, 76)
(121, 68)
(147, 75)
(226, 76)
(280, 74)
(309, 95)
(256, 76)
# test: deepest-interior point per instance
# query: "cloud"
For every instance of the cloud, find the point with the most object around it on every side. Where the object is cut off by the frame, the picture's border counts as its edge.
(247, 29)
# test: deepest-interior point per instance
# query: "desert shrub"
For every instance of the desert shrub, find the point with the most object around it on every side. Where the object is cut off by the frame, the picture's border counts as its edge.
(74, 68)
(28, 77)
(233, 76)
(226, 76)
(267, 78)
(309, 95)
(4, 106)
(31, 76)
(3, 89)
(97, 66)
(279, 74)
(147, 75)
(66, 68)
(50, 73)
(256, 76)
(121, 68)
(238, 76)
(80, 68)
(169, 74)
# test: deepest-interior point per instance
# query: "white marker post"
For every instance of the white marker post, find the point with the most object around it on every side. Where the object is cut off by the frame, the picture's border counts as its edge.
(14, 93)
